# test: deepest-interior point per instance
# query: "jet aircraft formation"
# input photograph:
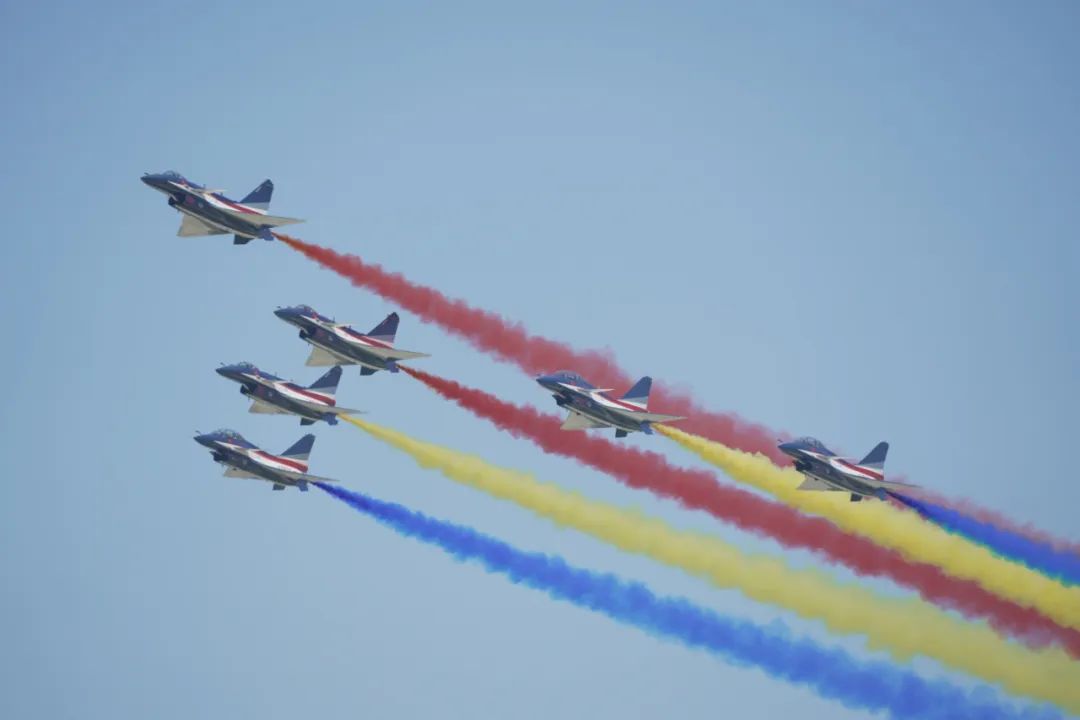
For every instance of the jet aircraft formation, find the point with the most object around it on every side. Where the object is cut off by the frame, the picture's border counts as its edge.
(333, 344)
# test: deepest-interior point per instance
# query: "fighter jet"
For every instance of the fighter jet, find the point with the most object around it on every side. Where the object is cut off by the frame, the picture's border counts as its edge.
(338, 344)
(243, 460)
(590, 407)
(209, 212)
(824, 470)
(271, 395)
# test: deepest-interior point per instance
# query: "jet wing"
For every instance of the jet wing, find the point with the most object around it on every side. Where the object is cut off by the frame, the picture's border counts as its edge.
(316, 407)
(323, 358)
(393, 354)
(264, 409)
(194, 227)
(580, 422)
(262, 220)
(235, 473)
(346, 411)
(655, 417)
(812, 483)
(304, 477)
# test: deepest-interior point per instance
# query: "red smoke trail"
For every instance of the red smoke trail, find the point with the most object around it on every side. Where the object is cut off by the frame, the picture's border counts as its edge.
(699, 490)
(508, 341)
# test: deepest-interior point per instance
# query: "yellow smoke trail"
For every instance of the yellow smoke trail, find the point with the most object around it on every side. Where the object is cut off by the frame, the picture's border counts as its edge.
(903, 627)
(901, 530)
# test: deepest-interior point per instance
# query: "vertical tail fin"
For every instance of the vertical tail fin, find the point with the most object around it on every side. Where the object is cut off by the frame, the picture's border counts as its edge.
(327, 384)
(876, 458)
(260, 196)
(639, 394)
(301, 449)
(386, 330)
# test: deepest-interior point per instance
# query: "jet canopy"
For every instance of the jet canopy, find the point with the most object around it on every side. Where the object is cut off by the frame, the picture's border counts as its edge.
(227, 434)
(811, 443)
(572, 378)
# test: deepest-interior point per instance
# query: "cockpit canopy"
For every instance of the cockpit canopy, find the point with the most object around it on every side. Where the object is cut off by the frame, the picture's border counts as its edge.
(812, 443)
(230, 435)
(572, 378)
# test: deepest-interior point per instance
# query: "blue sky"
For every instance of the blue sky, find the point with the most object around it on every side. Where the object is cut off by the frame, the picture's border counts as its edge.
(844, 219)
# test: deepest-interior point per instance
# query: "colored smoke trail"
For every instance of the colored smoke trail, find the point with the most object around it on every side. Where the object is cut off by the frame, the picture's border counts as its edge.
(510, 342)
(831, 673)
(699, 490)
(903, 627)
(996, 519)
(1063, 566)
(894, 528)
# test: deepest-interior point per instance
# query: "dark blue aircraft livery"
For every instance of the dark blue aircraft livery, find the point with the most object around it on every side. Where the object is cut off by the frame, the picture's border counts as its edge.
(824, 470)
(271, 395)
(243, 460)
(591, 407)
(335, 343)
(209, 212)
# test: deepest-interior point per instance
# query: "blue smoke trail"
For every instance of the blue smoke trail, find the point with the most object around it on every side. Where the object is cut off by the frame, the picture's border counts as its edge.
(831, 673)
(1040, 557)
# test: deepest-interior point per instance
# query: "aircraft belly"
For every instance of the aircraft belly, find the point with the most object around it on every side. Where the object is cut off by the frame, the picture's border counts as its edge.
(618, 420)
(606, 417)
(294, 408)
(264, 473)
(843, 482)
(333, 347)
(358, 356)
(211, 218)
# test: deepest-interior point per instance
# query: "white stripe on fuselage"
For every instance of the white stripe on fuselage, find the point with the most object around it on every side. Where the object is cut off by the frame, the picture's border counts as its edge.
(216, 202)
(266, 459)
(287, 391)
(345, 359)
(606, 402)
(844, 472)
(852, 470)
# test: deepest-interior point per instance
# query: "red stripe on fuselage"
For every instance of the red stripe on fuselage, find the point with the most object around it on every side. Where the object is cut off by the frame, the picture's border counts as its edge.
(296, 464)
(366, 338)
(235, 206)
(859, 468)
(623, 404)
(318, 397)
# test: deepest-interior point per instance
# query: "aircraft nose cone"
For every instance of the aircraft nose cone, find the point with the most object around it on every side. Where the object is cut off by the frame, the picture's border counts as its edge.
(222, 371)
(203, 439)
(283, 313)
(786, 447)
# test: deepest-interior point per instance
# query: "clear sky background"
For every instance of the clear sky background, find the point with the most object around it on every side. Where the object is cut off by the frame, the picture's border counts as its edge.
(854, 220)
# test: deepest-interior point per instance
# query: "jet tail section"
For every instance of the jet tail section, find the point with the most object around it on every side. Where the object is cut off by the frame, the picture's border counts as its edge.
(876, 458)
(301, 449)
(328, 383)
(260, 196)
(386, 330)
(638, 395)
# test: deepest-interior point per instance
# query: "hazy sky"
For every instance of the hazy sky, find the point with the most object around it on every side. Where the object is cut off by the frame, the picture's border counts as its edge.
(854, 220)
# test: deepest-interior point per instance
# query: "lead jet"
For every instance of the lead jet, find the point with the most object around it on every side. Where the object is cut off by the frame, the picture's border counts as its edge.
(824, 470)
(243, 460)
(335, 343)
(271, 395)
(591, 407)
(209, 212)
